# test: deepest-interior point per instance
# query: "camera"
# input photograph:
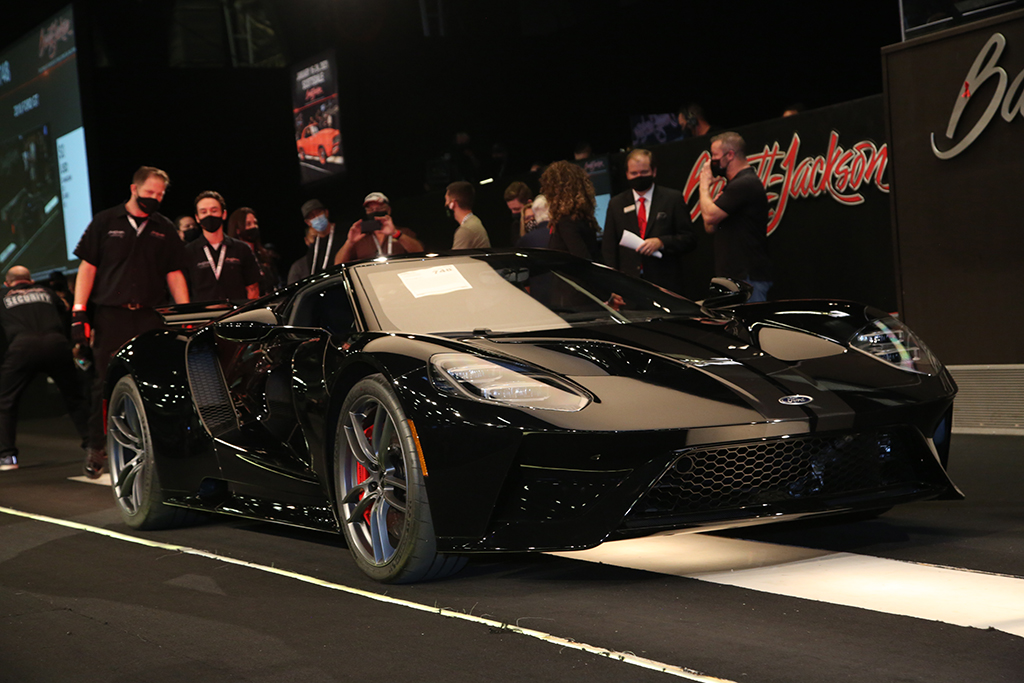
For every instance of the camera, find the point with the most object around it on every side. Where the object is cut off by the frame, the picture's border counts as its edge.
(369, 225)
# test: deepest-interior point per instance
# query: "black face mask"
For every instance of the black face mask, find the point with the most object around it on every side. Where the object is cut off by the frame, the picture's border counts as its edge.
(147, 204)
(251, 234)
(211, 223)
(717, 169)
(190, 235)
(641, 183)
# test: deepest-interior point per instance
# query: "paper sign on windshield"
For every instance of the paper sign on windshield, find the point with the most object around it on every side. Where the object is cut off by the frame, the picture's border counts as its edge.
(431, 281)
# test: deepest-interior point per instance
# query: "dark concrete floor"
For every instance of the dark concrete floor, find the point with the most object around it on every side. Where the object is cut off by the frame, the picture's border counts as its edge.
(77, 606)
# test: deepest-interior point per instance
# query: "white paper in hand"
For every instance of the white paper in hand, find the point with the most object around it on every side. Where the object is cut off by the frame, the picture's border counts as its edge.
(631, 240)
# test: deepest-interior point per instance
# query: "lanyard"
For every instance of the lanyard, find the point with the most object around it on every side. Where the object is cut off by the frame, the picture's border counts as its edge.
(316, 248)
(220, 263)
(380, 249)
(138, 228)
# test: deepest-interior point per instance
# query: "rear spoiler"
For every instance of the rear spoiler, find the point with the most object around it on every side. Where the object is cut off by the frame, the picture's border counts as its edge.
(189, 316)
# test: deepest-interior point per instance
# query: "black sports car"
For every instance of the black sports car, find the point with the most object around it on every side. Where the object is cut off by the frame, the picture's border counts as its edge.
(432, 406)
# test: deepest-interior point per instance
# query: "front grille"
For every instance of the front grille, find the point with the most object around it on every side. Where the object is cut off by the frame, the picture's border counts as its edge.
(777, 470)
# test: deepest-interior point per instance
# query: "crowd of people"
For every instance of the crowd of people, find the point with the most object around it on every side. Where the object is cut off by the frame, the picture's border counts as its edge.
(134, 260)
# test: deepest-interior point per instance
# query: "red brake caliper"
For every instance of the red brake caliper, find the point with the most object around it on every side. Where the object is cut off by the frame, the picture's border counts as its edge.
(362, 474)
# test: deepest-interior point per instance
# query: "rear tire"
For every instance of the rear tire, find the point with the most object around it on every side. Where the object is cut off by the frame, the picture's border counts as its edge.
(133, 476)
(381, 494)
(322, 153)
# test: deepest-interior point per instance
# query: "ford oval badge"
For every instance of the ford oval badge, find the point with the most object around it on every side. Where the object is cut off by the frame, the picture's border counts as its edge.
(795, 400)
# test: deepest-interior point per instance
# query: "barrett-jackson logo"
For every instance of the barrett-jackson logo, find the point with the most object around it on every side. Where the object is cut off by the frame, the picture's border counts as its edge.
(840, 174)
(49, 37)
(1008, 100)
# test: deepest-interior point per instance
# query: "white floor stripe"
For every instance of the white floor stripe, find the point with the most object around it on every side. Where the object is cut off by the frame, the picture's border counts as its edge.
(102, 480)
(625, 657)
(950, 595)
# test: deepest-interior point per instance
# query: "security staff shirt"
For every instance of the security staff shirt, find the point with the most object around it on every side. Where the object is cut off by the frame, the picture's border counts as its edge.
(132, 257)
(29, 309)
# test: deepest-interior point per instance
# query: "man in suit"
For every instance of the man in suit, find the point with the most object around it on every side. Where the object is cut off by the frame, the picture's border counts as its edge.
(658, 216)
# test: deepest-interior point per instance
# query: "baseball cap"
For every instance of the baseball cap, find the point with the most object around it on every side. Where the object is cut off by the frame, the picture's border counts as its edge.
(311, 206)
(376, 197)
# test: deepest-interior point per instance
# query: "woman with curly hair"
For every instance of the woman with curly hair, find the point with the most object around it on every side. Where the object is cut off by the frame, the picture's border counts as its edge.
(242, 225)
(570, 196)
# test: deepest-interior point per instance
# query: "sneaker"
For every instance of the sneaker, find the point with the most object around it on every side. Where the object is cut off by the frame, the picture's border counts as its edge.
(95, 462)
(8, 462)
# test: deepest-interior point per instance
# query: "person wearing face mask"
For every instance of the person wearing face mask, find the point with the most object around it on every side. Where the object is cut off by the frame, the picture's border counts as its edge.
(243, 225)
(325, 246)
(738, 217)
(658, 221)
(517, 195)
(187, 227)
(386, 240)
(458, 204)
(130, 257)
(218, 267)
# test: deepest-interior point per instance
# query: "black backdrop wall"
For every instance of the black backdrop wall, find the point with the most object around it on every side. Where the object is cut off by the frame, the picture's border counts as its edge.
(538, 75)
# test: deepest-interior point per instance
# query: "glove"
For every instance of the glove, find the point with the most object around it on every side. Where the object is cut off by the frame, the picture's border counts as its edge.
(80, 330)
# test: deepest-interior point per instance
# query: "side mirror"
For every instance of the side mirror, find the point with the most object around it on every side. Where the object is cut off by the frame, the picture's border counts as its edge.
(244, 331)
(725, 291)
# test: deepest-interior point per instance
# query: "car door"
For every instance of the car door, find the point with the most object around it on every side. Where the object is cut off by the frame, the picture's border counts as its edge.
(267, 368)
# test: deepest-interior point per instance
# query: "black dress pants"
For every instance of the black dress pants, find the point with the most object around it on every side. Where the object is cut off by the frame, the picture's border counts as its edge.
(112, 328)
(27, 356)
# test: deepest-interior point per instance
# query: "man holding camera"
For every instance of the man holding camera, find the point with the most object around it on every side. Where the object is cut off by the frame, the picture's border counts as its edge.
(376, 234)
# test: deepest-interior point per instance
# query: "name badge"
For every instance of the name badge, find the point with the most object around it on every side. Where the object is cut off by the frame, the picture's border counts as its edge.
(627, 209)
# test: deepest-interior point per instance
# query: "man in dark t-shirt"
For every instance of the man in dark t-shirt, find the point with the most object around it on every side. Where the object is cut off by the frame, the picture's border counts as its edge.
(738, 217)
(131, 256)
(218, 267)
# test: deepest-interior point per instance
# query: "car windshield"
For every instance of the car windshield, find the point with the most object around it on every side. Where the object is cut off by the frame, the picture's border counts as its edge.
(507, 293)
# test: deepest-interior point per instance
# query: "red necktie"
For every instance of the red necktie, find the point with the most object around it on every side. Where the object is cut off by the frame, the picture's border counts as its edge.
(641, 216)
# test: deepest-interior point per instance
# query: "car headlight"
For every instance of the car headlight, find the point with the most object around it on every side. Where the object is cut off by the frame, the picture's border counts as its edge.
(504, 382)
(889, 340)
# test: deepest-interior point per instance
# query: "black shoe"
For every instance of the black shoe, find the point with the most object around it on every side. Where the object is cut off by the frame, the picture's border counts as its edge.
(95, 462)
(8, 462)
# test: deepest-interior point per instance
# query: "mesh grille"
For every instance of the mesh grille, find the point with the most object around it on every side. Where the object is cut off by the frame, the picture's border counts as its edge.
(208, 390)
(990, 400)
(773, 471)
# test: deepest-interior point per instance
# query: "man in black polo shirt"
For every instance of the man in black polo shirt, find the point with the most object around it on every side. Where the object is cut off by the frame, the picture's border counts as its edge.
(218, 267)
(738, 217)
(131, 256)
(35, 321)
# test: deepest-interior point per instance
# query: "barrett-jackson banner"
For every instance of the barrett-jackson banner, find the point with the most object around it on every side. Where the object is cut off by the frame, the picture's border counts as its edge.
(956, 115)
(825, 172)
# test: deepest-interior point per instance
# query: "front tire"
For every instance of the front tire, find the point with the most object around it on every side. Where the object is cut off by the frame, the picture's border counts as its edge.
(322, 153)
(133, 476)
(382, 497)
